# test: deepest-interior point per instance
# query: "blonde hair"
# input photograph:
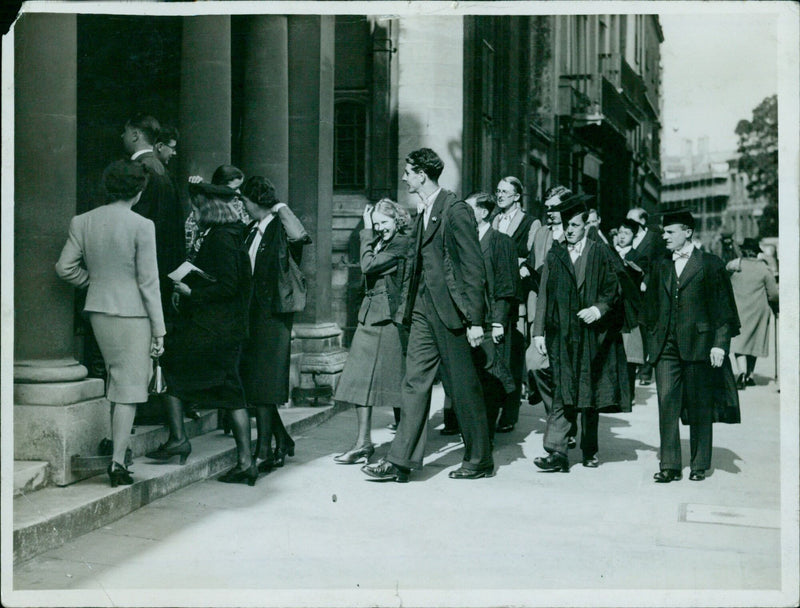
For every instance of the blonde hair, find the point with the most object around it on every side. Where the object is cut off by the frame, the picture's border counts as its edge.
(213, 211)
(391, 209)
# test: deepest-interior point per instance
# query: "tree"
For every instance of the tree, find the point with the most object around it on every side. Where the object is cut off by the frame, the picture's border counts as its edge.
(758, 150)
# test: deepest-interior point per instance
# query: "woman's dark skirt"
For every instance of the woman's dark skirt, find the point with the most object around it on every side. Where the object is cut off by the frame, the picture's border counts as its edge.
(375, 367)
(266, 358)
(202, 370)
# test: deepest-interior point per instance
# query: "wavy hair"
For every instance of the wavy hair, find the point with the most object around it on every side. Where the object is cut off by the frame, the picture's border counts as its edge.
(259, 190)
(399, 214)
(212, 211)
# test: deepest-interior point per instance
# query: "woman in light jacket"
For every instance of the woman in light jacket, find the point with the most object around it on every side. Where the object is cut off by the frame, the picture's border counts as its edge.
(118, 249)
(376, 365)
(274, 244)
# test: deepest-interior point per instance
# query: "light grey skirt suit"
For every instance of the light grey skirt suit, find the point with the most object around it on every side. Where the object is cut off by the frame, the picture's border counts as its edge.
(118, 249)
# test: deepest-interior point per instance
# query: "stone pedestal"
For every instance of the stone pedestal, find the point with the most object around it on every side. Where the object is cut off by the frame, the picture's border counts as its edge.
(57, 411)
(58, 420)
(320, 362)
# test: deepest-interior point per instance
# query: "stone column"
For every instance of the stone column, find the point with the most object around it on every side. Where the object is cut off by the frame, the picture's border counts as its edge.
(265, 128)
(311, 62)
(205, 103)
(57, 411)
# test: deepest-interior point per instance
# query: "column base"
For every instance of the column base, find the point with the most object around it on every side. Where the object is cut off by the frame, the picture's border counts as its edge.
(54, 421)
(319, 364)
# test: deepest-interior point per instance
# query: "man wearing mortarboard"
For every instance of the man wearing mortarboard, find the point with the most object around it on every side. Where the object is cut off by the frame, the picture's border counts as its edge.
(690, 317)
(577, 325)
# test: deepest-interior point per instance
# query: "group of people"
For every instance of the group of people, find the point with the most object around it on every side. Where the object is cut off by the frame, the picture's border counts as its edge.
(476, 291)
(212, 296)
(473, 292)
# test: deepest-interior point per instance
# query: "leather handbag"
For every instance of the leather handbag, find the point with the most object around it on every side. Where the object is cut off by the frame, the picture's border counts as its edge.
(158, 385)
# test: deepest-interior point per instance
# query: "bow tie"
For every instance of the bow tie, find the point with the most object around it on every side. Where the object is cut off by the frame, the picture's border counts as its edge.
(676, 255)
(576, 247)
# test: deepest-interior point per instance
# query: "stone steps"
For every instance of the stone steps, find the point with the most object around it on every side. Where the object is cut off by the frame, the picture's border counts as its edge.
(48, 518)
(30, 475)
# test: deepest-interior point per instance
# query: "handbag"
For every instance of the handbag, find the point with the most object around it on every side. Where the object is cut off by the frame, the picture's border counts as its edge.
(291, 284)
(157, 384)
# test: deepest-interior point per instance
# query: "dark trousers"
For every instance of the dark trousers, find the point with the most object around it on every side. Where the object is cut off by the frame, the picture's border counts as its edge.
(677, 380)
(429, 344)
(562, 423)
(510, 402)
(544, 384)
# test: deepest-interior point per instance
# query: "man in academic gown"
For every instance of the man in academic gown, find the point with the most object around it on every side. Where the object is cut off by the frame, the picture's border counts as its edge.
(577, 325)
(690, 317)
(444, 302)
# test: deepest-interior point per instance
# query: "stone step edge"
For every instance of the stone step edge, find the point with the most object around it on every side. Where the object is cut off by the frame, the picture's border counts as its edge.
(55, 530)
(30, 475)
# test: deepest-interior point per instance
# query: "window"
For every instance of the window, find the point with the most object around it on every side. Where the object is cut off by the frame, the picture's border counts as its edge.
(349, 146)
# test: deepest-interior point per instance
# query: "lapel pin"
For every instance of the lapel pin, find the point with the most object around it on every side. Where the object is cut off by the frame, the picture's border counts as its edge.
(434, 218)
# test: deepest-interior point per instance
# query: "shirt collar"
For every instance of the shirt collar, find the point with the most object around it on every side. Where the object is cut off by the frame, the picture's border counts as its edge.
(139, 153)
(432, 198)
(482, 230)
(683, 252)
(509, 215)
(580, 245)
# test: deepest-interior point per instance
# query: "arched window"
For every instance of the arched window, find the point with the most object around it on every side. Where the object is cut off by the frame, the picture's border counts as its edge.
(349, 145)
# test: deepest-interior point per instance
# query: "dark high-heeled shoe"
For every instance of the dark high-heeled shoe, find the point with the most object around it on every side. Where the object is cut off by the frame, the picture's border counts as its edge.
(355, 455)
(280, 454)
(165, 452)
(248, 475)
(119, 475)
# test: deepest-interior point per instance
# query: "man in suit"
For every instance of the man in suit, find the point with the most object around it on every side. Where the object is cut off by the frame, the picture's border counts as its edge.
(493, 360)
(690, 316)
(159, 202)
(443, 299)
(577, 325)
(649, 248)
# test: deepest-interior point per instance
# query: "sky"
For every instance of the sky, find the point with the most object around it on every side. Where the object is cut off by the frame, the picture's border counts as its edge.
(716, 70)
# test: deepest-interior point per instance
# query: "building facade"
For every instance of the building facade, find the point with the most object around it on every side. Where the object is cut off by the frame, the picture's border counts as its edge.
(327, 107)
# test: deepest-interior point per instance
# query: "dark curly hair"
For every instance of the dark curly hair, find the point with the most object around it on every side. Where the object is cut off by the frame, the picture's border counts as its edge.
(427, 161)
(260, 191)
(122, 180)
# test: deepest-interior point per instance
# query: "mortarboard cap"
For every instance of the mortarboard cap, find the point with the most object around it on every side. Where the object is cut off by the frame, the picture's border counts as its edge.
(677, 216)
(572, 206)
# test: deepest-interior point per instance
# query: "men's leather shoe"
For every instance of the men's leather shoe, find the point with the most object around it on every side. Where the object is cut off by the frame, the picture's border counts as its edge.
(667, 475)
(571, 443)
(553, 462)
(506, 428)
(392, 427)
(462, 473)
(591, 463)
(383, 470)
(697, 475)
(447, 431)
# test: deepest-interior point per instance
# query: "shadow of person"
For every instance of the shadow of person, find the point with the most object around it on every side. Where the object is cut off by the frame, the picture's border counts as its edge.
(615, 448)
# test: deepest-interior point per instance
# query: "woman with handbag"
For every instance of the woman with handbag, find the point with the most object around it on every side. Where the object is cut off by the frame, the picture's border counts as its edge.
(112, 251)
(274, 245)
(201, 365)
(375, 364)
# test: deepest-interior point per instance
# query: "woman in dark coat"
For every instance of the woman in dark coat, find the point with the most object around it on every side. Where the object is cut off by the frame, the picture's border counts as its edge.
(754, 289)
(274, 245)
(375, 365)
(201, 362)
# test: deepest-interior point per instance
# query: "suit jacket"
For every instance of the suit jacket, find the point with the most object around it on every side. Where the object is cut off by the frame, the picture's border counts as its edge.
(285, 236)
(502, 275)
(118, 248)
(449, 254)
(701, 301)
(383, 277)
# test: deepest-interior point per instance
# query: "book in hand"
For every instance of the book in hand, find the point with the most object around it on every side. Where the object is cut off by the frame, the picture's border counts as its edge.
(189, 273)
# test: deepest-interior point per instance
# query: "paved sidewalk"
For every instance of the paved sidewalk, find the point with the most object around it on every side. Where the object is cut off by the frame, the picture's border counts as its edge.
(522, 536)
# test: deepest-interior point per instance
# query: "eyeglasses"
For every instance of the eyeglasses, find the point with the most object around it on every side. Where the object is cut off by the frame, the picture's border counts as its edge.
(508, 192)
